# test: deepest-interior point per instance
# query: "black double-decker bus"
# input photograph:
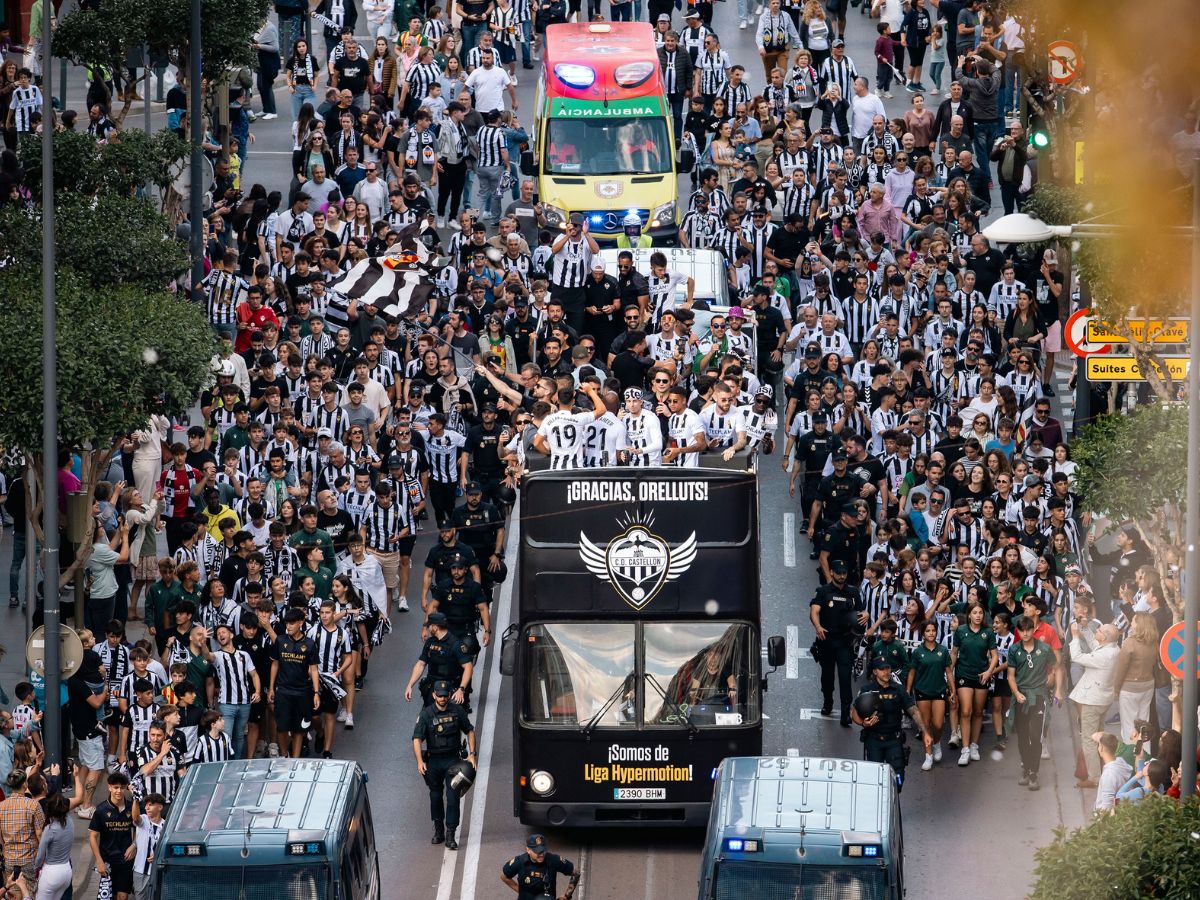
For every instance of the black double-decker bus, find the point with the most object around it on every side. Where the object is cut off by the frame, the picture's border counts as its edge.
(636, 663)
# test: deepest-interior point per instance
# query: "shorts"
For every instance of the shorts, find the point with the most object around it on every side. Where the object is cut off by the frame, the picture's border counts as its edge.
(1052, 342)
(258, 712)
(961, 681)
(941, 695)
(291, 710)
(329, 703)
(113, 720)
(507, 54)
(1000, 687)
(120, 871)
(390, 563)
(405, 545)
(91, 753)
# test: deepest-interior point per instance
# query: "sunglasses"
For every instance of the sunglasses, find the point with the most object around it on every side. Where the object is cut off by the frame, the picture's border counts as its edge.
(715, 326)
(662, 381)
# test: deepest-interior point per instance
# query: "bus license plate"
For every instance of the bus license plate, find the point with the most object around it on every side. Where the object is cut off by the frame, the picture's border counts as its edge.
(639, 793)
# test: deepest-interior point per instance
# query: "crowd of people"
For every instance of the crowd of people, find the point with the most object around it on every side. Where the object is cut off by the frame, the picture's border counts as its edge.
(904, 366)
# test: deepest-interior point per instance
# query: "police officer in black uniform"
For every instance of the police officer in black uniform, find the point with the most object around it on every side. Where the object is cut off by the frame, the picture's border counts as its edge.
(443, 658)
(840, 542)
(812, 452)
(437, 561)
(837, 615)
(481, 527)
(834, 491)
(442, 725)
(885, 705)
(483, 445)
(532, 874)
(464, 604)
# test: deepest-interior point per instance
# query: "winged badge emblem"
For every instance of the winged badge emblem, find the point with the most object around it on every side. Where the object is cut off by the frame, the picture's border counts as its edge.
(637, 563)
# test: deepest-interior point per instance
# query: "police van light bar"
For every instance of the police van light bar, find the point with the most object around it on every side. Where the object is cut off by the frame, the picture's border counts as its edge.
(743, 845)
(575, 75)
(179, 851)
(305, 848)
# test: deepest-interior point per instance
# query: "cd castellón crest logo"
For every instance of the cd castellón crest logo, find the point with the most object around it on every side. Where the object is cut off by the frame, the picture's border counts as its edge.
(637, 562)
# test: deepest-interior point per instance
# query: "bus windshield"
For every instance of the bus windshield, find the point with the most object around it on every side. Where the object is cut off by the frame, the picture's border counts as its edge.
(608, 147)
(737, 880)
(701, 674)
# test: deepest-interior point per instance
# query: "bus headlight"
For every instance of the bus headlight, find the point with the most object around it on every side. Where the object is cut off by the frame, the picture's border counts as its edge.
(541, 782)
(663, 215)
(555, 217)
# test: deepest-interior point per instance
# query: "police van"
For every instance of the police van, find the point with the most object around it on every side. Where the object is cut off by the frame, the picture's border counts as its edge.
(803, 827)
(269, 829)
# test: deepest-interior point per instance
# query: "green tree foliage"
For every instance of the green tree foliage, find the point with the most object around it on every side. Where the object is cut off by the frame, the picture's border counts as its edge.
(1145, 849)
(86, 168)
(124, 352)
(108, 33)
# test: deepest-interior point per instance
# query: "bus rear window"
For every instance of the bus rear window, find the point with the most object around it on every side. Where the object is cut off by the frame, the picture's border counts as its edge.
(292, 882)
(608, 146)
(768, 881)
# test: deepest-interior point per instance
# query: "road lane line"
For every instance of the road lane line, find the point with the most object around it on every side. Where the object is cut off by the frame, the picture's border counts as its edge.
(789, 540)
(474, 839)
(582, 867)
(793, 651)
(793, 752)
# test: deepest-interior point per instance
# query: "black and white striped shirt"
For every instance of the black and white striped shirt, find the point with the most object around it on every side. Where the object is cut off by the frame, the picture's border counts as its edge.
(443, 452)
(116, 664)
(757, 239)
(356, 503)
(126, 691)
(714, 72)
(223, 291)
(25, 102)
(235, 687)
(492, 146)
(164, 777)
(860, 318)
(334, 419)
(213, 749)
(797, 201)
(824, 156)
(282, 562)
(571, 264)
(332, 645)
(840, 72)
(734, 94)
(419, 78)
(876, 600)
(383, 524)
(138, 719)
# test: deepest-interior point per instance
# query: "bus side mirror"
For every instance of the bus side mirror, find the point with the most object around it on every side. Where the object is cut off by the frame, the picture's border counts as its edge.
(776, 651)
(508, 650)
(529, 164)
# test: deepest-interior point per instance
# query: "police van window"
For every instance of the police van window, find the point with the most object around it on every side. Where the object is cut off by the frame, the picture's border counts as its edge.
(601, 147)
(704, 671)
(289, 882)
(575, 669)
(736, 880)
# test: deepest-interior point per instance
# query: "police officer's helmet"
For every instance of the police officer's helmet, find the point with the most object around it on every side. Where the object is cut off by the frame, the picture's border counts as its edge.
(506, 495)
(866, 704)
(632, 223)
(461, 776)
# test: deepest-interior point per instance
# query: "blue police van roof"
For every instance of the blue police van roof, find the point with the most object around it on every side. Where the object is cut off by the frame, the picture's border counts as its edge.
(273, 798)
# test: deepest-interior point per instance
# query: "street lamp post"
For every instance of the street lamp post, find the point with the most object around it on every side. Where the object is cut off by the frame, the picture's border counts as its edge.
(1021, 228)
(196, 214)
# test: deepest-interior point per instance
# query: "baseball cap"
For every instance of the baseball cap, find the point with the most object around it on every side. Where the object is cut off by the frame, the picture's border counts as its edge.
(536, 842)
(663, 17)
(490, 407)
(820, 418)
(880, 663)
(765, 390)
(597, 265)
(839, 566)
(577, 218)
(1031, 481)
(325, 432)
(473, 487)
(839, 455)
(839, 43)
(812, 352)
(436, 618)
(441, 689)
(692, 14)
(521, 301)
(458, 561)
(395, 461)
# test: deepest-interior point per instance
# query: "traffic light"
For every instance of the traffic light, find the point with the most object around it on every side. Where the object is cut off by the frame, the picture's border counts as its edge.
(1039, 137)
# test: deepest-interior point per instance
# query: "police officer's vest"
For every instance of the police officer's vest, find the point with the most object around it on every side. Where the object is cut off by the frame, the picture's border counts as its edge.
(441, 558)
(443, 663)
(460, 606)
(890, 709)
(443, 735)
(475, 531)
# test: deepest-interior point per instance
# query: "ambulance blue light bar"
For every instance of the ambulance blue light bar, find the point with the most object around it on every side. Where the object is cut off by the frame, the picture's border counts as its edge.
(743, 845)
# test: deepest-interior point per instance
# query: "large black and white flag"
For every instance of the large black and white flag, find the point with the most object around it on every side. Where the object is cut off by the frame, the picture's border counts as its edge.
(400, 284)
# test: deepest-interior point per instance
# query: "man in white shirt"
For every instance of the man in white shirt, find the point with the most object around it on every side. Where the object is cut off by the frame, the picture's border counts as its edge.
(373, 191)
(562, 433)
(642, 442)
(685, 433)
(864, 107)
(489, 82)
(1113, 775)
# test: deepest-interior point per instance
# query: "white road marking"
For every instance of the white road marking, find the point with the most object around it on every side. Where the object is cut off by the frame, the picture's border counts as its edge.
(793, 752)
(808, 714)
(789, 540)
(793, 651)
(582, 867)
(487, 731)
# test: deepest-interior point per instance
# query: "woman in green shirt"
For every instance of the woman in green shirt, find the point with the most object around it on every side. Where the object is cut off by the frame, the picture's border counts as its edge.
(975, 661)
(930, 682)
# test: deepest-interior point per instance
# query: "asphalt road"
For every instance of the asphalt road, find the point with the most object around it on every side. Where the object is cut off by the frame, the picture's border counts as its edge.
(966, 830)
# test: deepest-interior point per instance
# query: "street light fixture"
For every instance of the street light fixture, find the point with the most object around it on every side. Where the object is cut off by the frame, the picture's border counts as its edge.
(1020, 228)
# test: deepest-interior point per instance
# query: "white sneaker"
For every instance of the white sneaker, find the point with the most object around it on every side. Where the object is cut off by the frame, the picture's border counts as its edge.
(974, 750)
(269, 116)
(341, 716)
(403, 604)
(937, 752)
(955, 739)
(349, 721)
(456, 225)
(1045, 752)
(513, 79)
(965, 756)
(85, 812)
(878, 92)
(934, 91)
(742, 24)
(273, 750)
(997, 754)
(928, 764)
(887, 95)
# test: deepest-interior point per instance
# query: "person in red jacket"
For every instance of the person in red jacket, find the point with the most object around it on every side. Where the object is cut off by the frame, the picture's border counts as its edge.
(251, 316)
